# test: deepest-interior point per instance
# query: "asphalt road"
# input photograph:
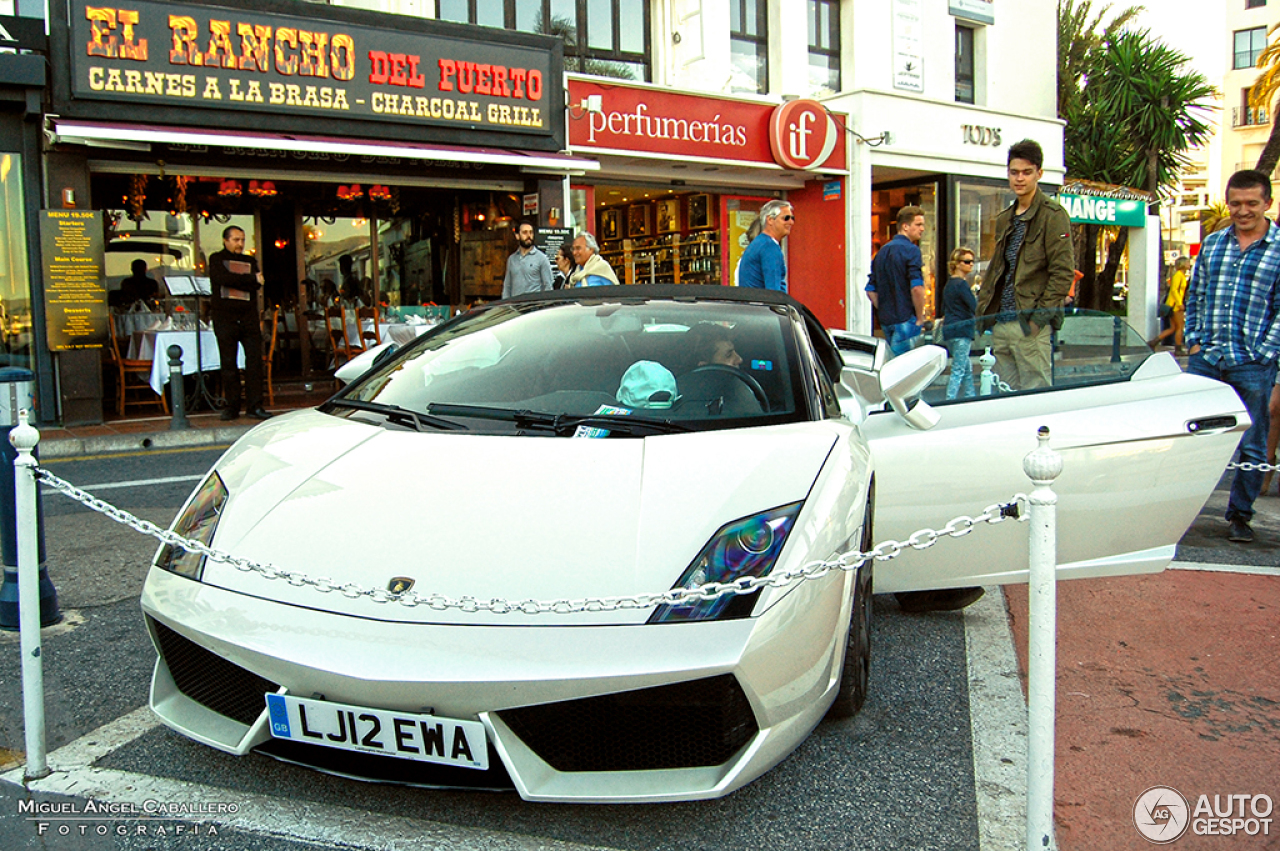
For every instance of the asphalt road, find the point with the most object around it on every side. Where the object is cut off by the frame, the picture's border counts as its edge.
(899, 775)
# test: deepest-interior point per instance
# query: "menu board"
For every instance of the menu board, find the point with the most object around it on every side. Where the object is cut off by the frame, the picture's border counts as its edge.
(549, 240)
(75, 291)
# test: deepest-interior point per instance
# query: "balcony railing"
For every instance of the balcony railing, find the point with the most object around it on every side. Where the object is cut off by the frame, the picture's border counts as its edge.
(1249, 116)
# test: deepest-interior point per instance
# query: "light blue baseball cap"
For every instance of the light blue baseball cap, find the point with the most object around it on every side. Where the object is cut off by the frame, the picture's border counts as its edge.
(647, 384)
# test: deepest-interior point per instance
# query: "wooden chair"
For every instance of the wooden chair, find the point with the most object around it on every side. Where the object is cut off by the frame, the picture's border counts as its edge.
(139, 371)
(341, 347)
(269, 335)
(368, 339)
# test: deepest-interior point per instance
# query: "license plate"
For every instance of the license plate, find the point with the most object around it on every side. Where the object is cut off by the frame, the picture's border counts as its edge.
(405, 735)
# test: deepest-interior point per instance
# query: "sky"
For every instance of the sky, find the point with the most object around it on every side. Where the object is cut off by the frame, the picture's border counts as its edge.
(1184, 25)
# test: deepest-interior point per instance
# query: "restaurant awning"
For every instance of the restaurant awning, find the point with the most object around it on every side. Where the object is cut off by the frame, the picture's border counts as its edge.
(140, 137)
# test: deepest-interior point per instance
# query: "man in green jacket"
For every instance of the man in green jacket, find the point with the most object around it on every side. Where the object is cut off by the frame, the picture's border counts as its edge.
(1029, 276)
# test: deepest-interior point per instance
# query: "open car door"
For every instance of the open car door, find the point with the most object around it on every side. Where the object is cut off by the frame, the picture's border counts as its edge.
(1143, 445)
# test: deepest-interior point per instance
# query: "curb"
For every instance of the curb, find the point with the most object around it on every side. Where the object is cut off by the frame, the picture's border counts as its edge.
(69, 447)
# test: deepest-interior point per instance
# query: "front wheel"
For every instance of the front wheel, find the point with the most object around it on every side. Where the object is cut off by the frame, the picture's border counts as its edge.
(855, 678)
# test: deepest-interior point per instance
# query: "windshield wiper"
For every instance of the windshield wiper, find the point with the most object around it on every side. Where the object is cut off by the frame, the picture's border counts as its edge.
(629, 424)
(395, 413)
(561, 423)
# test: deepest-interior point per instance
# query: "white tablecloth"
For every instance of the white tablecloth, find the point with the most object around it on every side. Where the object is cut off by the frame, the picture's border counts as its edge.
(155, 345)
(131, 323)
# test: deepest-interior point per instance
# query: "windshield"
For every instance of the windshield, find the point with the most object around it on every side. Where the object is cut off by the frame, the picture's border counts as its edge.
(562, 367)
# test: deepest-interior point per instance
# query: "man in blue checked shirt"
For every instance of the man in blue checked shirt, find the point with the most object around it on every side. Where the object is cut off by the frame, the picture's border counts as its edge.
(1233, 324)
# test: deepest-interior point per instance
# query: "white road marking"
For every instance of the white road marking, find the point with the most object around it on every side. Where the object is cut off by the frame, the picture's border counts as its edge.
(136, 483)
(1255, 569)
(326, 825)
(998, 724)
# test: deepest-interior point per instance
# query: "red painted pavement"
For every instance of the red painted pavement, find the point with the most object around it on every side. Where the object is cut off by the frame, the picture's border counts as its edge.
(1164, 680)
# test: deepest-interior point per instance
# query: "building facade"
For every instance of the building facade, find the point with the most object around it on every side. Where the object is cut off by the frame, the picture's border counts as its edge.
(930, 94)
(1244, 129)
(394, 142)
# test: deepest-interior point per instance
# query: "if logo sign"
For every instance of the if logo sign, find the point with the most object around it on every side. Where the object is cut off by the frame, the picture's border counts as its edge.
(802, 135)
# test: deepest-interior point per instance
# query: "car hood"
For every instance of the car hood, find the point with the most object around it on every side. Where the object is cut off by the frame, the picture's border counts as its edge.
(492, 516)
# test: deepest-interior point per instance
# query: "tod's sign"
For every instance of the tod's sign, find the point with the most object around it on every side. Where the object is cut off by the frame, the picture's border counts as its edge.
(798, 135)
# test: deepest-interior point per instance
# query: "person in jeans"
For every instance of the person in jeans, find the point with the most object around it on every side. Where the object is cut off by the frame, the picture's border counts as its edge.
(958, 306)
(1273, 436)
(1030, 274)
(1233, 324)
(896, 283)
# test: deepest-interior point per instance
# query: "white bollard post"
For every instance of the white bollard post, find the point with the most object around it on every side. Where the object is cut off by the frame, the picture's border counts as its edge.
(987, 379)
(24, 438)
(1042, 465)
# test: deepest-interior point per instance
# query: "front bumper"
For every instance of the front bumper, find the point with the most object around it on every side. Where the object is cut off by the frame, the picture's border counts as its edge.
(590, 714)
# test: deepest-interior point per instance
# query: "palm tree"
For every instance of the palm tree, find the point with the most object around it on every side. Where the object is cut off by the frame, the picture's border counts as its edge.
(1133, 111)
(1161, 108)
(1216, 217)
(1078, 37)
(1088, 140)
(1261, 94)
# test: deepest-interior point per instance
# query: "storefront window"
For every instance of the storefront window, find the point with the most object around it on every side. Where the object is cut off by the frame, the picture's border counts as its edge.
(338, 258)
(166, 242)
(885, 204)
(581, 219)
(976, 205)
(15, 283)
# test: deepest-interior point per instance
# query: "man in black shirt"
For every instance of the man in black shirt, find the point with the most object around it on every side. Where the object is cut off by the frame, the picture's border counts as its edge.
(235, 279)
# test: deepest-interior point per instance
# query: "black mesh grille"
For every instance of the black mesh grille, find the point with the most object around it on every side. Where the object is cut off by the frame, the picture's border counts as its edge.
(211, 680)
(387, 769)
(686, 725)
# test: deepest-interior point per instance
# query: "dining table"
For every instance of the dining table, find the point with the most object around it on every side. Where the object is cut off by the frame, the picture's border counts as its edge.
(154, 346)
(128, 324)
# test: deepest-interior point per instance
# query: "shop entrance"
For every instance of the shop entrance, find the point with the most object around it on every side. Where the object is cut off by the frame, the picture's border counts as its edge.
(396, 249)
(886, 201)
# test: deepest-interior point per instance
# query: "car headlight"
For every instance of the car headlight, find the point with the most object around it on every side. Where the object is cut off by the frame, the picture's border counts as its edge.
(746, 547)
(198, 523)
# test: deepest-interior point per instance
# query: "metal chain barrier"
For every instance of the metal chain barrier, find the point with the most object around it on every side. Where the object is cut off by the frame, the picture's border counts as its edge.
(1001, 385)
(1004, 387)
(1015, 509)
(1249, 466)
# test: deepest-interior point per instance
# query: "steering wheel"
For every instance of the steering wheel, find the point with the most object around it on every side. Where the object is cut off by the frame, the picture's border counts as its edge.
(752, 384)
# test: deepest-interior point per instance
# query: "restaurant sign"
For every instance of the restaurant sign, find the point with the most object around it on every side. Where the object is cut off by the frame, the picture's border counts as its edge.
(633, 119)
(1088, 209)
(221, 58)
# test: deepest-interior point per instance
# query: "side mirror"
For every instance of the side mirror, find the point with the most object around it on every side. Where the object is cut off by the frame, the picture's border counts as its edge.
(859, 387)
(904, 378)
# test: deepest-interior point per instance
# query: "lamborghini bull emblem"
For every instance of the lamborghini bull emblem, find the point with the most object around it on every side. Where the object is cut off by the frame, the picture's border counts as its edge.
(399, 584)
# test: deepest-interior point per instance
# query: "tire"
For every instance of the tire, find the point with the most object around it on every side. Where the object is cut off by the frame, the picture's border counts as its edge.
(855, 677)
